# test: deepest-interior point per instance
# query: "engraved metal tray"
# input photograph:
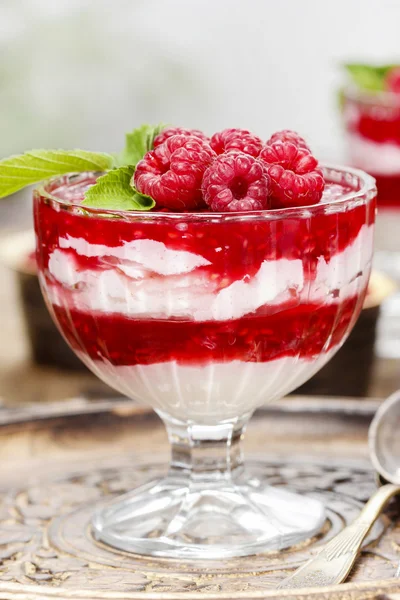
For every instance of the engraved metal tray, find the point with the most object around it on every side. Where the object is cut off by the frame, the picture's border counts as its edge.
(58, 460)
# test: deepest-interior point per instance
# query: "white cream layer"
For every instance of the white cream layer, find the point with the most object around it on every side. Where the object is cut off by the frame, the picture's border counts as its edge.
(146, 278)
(210, 393)
(376, 158)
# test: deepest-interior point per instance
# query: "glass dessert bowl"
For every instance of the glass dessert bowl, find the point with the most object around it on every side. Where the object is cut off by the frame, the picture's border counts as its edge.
(205, 317)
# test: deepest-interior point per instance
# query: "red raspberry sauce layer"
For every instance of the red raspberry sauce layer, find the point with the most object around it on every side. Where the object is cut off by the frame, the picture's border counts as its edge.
(235, 249)
(388, 190)
(375, 122)
(304, 331)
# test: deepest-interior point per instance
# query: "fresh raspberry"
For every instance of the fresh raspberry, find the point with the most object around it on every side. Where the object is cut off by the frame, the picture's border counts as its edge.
(236, 182)
(295, 179)
(288, 136)
(172, 173)
(170, 131)
(392, 80)
(236, 139)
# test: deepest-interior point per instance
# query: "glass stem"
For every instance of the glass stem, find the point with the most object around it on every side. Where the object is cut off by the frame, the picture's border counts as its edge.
(206, 452)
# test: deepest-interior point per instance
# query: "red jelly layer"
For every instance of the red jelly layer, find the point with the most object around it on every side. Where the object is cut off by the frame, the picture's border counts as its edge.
(375, 121)
(235, 249)
(304, 331)
(388, 190)
(380, 130)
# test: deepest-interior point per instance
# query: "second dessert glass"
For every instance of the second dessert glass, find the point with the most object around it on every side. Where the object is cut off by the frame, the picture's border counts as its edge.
(205, 317)
(372, 135)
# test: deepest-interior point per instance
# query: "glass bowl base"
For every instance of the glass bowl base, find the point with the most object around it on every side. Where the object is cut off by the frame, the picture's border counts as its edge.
(176, 517)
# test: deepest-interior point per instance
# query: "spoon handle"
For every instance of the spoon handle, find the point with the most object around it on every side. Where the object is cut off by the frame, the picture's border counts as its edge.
(333, 563)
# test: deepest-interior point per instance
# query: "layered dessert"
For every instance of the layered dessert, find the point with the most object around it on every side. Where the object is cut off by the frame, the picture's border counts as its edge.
(206, 314)
(203, 276)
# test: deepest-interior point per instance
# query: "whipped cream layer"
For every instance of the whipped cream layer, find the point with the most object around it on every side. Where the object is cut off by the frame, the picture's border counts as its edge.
(377, 158)
(209, 393)
(146, 278)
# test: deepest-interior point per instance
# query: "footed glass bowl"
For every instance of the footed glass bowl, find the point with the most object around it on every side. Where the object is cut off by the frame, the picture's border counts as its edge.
(205, 317)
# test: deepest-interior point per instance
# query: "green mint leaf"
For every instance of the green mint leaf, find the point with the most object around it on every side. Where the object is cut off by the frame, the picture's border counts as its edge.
(137, 143)
(113, 191)
(365, 77)
(368, 77)
(19, 171)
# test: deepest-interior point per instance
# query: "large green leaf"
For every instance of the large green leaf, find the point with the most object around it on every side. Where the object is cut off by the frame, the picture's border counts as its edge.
(19, 171)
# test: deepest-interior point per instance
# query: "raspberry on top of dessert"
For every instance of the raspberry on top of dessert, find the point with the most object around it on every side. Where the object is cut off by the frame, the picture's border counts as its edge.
(233, 171)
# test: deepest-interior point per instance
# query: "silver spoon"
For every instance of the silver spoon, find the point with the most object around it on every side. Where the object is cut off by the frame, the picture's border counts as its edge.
(334, 562)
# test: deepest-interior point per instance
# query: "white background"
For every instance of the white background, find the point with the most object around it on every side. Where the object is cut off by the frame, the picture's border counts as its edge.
(78, 73)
